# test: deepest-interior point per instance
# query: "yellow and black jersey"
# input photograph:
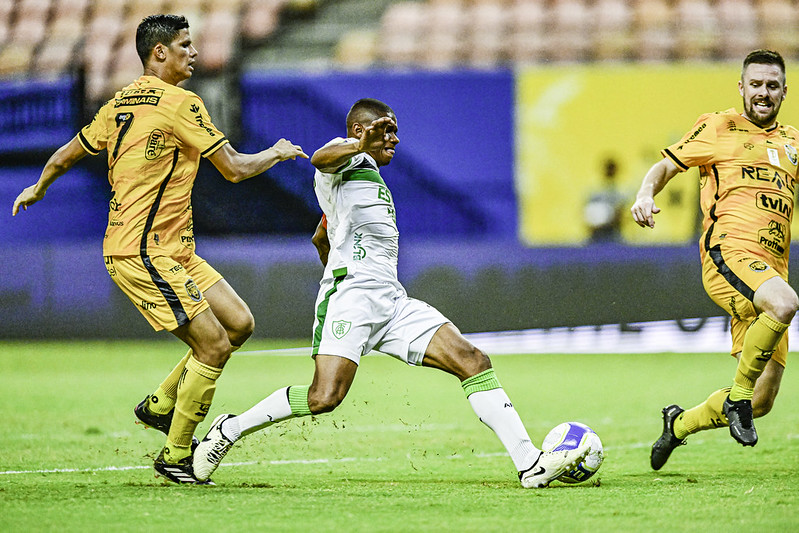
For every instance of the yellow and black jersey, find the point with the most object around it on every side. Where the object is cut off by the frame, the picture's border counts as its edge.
(155, 134)
(747, 182)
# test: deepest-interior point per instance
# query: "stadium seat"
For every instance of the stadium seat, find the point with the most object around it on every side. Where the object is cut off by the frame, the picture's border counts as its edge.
(261, 19)
(570, 30)
(739, 28)
(357, 50)
(402, 26)
(487, 28)
(654, 37)
(526, 41)
(15, 59)
(55, 56)
(696, 29)
(613, 30)
(778, 26)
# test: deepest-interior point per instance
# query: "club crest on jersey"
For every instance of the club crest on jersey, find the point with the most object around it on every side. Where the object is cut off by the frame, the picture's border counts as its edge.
(790, 151)
(341, 328)
(193, 291)
(758, 266)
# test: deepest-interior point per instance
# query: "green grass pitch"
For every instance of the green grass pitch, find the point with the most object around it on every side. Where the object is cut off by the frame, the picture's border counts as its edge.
(404, 452)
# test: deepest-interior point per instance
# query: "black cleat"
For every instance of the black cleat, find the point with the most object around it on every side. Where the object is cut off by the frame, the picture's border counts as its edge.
(742, 424)
(663, 447)
(152, 420)
(156, 421)
(181, 472)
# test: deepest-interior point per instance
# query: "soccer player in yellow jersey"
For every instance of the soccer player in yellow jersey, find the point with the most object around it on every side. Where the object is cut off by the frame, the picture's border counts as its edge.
(747, 169)
(155, 133)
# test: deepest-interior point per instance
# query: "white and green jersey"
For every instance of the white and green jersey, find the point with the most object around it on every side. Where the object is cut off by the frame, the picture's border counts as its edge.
(361, 223)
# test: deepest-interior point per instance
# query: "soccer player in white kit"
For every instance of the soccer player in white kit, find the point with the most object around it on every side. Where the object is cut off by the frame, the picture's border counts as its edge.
(362, 306)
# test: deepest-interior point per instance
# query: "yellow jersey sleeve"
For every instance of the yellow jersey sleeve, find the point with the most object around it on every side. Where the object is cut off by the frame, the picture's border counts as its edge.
(697, 147)
(94, 136)
(193, 127)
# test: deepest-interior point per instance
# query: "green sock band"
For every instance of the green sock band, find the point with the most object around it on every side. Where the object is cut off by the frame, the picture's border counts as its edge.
(298, 400)
(483, 381)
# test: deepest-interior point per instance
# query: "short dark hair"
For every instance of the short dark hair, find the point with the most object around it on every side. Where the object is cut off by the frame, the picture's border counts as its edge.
(157, 29)
(367, 108)
(764, 57)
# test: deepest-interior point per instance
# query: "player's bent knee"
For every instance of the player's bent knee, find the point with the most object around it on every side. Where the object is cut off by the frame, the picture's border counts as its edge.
(243, 329)
(319, 403)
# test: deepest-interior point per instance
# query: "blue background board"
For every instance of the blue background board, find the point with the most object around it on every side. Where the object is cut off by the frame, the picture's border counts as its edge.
(38, 114)
(453, 172)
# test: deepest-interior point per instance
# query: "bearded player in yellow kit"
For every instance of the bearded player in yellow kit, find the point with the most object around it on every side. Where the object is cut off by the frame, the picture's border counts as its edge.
(155, 133)
(747, 166)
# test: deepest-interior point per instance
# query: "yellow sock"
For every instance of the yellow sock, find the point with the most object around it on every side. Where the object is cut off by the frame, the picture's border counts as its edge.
(163, 399)
(706, 415)
(761, 339)
(195, 391)
(174, 453)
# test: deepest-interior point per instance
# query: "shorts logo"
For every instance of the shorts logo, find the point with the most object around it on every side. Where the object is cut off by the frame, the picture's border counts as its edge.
(758, 266)
(790, 151)
(341, 328)
(192, 290)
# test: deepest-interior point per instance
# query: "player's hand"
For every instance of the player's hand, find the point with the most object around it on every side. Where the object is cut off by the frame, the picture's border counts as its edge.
(374, 135)
(28, 196)
(643, 211)
(285, 149)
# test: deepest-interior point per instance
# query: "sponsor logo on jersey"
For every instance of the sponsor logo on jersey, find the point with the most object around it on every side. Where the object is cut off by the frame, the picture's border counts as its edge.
(155, 144)
(774, 204)
(139, 97)
(384, 194)
(768, 175)
(198, 118)
(113, 205)
(732, 126)
(116, 222)
(790, 151)
(358, 251)
(147, 306)
(773, 238)
(749, 146)
(340, 328)
(193, 291)
(758, 266)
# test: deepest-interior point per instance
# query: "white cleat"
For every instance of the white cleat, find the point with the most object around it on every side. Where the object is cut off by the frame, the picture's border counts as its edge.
(211, 450)
(548, 467)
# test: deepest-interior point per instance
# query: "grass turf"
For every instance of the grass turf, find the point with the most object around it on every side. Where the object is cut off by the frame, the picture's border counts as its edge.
(404, 452)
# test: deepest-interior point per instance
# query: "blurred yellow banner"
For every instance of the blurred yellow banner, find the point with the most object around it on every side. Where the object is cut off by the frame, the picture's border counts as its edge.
(587, 135)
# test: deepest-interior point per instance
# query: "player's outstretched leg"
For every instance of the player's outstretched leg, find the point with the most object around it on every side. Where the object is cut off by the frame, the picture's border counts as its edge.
(668, 441)
(226, 429)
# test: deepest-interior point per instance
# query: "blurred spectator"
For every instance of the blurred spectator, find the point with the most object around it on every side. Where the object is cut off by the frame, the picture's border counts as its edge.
(604, 209)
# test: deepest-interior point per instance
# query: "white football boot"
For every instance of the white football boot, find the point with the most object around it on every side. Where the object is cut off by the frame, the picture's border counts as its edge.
(548, 467)
(211, 450)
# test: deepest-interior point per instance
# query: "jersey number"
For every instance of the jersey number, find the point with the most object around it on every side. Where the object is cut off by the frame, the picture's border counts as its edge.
(124, 121)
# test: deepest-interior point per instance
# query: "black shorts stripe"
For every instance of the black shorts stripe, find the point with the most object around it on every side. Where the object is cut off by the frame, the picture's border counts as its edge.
(165, 288)
(722, 268)
(213, 146)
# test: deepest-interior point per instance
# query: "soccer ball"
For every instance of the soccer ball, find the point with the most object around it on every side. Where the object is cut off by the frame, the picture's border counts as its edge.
(569, 435)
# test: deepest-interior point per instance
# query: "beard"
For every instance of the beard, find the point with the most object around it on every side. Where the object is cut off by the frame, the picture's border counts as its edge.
(756, 116)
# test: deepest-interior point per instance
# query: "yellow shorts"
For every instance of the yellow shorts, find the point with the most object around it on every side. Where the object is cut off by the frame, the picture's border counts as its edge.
(167, 291)
(731, 278)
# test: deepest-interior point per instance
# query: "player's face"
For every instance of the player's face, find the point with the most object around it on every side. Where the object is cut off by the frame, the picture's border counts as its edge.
(181, 55)
(763, 89)
(384, 155)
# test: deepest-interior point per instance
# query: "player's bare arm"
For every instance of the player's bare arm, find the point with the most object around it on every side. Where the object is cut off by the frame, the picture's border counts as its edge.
(371, 137)
(62, 160)
(644, 208)
(237, 167)
(321, 242)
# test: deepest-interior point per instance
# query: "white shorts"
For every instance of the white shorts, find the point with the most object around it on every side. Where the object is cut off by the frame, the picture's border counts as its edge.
(353, 317)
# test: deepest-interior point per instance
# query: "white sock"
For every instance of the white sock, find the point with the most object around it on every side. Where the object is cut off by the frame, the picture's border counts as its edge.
(497, 412)
(268, 411)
